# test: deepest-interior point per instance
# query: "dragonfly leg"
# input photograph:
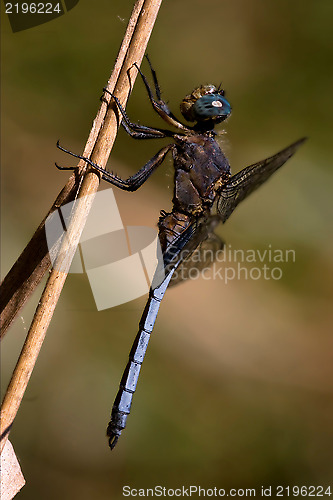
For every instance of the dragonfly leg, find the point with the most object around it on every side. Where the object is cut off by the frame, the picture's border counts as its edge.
(64, 168)
(133, 182)
(158, 104)
(136, 130)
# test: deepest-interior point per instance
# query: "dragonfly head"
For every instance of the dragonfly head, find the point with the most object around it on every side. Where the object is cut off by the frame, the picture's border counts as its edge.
(206, 103)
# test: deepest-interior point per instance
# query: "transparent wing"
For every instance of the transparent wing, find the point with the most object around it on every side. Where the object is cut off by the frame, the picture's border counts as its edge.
(250, 178)
(201, 258)
(195, 248)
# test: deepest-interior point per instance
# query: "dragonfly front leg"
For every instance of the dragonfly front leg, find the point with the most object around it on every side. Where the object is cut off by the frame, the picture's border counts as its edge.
(159, 105)
(133, 182)
(136, 130)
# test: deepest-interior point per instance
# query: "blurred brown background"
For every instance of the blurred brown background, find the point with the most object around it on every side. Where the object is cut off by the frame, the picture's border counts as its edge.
(236, 389)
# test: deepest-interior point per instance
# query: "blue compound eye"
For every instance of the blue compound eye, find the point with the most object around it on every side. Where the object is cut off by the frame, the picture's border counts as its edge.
(211, 107)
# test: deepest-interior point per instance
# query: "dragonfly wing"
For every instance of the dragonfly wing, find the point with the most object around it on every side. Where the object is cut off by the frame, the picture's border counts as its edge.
(196, 261)
(250, 178)
(198, 238)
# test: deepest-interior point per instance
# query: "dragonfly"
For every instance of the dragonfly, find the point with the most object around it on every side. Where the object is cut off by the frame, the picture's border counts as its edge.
(205, 195)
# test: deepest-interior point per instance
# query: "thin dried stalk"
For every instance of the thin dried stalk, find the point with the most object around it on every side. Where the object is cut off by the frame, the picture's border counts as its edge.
(29, 269)
(101, 140)
(32, 264)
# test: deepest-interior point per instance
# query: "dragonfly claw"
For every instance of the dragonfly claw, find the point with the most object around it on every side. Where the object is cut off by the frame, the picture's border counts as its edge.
(113, 441)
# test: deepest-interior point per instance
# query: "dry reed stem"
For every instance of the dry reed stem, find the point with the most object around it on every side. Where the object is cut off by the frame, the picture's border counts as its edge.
(137, 37)
(29, 269)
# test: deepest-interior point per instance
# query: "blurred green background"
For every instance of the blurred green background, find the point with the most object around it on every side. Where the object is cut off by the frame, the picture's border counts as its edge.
(236, 389)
